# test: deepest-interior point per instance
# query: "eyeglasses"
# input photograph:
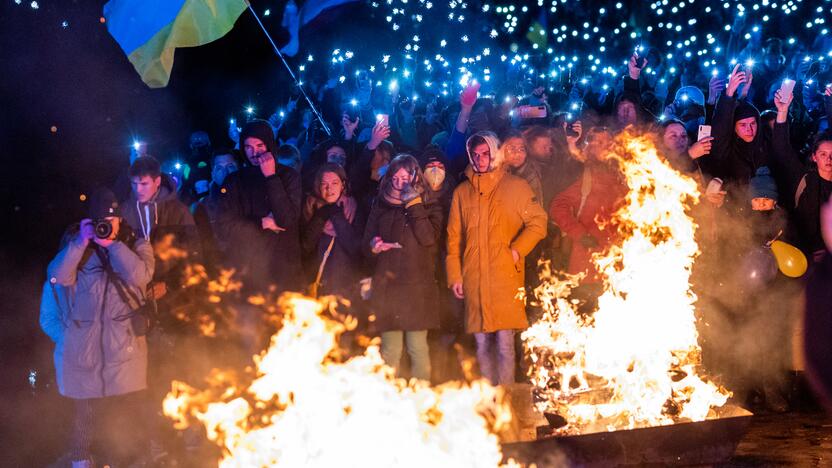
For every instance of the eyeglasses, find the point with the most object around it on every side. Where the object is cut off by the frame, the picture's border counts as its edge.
(515, 149)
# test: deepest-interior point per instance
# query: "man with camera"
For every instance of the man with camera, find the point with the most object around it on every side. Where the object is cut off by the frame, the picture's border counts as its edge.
(101, 354)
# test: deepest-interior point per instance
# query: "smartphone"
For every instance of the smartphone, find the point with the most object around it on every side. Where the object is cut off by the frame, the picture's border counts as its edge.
(714, 186)
(384, 119)
(786, 88)
(704, 132)
(532, 112)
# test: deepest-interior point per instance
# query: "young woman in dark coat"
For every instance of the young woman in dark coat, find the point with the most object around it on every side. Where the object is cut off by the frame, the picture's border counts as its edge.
(402, 235)
(331, 234)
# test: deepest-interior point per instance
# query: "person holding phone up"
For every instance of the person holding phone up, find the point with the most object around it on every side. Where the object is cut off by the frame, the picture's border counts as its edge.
(737, 146)
(401, 236)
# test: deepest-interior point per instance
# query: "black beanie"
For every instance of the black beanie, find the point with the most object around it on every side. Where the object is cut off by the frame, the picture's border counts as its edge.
(745, 110)
(433, 153)
(261, 130)
(103, 204)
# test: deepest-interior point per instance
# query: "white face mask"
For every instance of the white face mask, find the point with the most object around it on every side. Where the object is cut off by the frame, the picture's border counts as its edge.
(435, 176)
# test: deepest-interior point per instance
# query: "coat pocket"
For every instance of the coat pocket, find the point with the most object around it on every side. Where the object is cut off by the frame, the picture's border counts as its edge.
(81, 346)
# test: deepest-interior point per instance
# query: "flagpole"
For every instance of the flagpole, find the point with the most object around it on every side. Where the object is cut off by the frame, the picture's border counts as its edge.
(289, 69)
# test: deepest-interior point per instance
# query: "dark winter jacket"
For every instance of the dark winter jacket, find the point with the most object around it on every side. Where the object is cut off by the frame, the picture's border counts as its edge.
(732, 159)
(96, 353)
(206, 216)
(264, 257)
(818, 329)
(342, 269)
(404, 290)
(164, 214)
(814, 191)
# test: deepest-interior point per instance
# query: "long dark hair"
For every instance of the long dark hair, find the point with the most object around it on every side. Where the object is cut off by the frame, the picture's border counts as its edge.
(409, 164)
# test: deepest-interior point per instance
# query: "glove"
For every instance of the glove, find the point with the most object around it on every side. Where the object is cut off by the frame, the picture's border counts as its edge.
(328, 211)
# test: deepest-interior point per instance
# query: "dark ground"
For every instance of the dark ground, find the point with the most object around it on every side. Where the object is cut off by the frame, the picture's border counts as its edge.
(40, 422)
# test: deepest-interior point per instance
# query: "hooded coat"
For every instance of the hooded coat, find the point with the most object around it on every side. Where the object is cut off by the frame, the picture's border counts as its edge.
(162, 215)
(96, 354)
(491, 214)
(605, 190)
(732, 159)
(263, 256)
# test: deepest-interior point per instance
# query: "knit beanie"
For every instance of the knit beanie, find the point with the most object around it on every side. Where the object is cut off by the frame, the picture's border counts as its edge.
(763, 185)
(433, 153)
(103, 204)
(745, 110)
(261, 130)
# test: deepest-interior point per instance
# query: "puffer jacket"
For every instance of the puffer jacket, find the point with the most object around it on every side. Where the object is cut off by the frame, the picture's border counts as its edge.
(491, 214)
(96, 353)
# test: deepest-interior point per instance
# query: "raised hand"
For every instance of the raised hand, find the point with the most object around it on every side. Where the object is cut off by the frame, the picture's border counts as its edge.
(700, 148)
(469, 94)
(734, 81)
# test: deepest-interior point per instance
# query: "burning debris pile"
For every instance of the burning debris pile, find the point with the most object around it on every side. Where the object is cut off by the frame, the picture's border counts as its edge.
(309, 404)
(634, 361)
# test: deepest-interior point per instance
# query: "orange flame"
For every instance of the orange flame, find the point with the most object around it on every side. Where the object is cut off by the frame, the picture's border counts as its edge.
(308, 406)
(634, 362)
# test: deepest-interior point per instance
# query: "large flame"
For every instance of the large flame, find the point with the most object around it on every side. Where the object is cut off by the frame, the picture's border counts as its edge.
(308, 405)
(634, 362)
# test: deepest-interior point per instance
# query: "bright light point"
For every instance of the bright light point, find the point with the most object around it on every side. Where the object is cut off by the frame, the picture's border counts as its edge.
(137, 145)
(177, 166)
(265, 13)
(34, 5)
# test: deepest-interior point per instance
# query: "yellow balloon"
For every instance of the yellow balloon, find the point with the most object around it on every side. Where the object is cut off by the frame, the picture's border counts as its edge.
(790, 259)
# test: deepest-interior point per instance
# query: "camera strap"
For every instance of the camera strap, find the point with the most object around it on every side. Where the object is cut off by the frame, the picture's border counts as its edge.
(126, 295)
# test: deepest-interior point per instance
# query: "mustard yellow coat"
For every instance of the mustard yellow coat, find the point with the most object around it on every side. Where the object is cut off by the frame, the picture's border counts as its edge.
(491, 214)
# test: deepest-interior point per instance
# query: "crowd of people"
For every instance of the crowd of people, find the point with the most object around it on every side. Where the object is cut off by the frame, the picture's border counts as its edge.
(429, 217)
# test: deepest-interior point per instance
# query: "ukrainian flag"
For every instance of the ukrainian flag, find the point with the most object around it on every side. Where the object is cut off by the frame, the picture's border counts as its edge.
(149, 31)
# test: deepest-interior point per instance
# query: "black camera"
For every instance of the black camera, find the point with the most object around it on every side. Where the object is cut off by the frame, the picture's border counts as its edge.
(103, 228)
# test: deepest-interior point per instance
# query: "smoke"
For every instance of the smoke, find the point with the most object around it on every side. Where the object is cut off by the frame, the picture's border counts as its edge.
(747, 310)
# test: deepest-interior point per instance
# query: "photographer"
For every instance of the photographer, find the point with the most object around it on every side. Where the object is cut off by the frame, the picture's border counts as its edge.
(101, 274)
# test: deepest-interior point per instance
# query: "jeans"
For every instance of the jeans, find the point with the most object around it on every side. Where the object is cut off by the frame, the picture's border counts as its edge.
(417, 349)
(495, 353)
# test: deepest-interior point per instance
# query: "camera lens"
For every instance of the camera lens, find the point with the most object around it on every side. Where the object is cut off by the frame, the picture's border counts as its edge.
(103, 229)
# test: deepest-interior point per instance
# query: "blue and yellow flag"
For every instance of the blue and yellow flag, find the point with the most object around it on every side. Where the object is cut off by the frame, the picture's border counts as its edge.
(149, 31)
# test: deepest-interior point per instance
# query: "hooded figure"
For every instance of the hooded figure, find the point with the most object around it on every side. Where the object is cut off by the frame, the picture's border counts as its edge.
(738, 148)
(494, 222)
(156, 214)
(260, 215)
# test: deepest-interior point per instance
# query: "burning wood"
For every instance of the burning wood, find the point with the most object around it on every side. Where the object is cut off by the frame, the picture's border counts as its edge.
(635, 361)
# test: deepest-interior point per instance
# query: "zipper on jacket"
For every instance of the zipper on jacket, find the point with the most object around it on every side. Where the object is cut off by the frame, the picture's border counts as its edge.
(101, 332)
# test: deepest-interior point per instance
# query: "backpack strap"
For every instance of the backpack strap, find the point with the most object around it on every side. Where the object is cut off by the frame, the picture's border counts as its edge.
(586, 187)
(801, 187)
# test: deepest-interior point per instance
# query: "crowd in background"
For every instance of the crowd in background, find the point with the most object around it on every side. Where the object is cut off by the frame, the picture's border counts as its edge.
(429, 215)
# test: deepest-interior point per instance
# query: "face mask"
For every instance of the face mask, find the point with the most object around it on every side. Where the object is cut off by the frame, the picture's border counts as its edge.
(434, 177)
